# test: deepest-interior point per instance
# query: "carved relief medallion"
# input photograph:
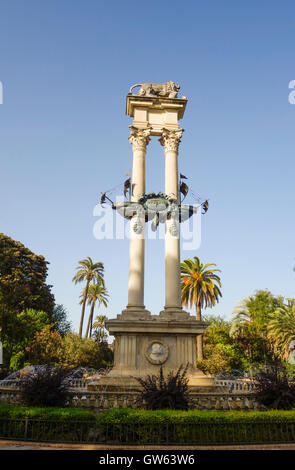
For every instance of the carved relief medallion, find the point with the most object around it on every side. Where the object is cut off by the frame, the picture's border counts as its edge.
(157, 352)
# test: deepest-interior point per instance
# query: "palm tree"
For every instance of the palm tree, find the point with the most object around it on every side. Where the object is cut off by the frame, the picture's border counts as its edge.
(250, 324)
(88, 271)
(243, 327)
(99, 325)
(281, 328)
(200, 286)
(96, 293)
(243, 317)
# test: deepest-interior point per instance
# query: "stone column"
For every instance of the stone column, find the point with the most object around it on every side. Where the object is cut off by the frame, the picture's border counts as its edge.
(139, 139)
(170, 140)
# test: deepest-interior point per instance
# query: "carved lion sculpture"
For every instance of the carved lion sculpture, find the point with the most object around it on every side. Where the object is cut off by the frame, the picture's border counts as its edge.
(168, 89)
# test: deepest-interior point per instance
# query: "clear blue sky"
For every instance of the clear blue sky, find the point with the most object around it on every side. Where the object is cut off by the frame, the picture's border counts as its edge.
(66, 67)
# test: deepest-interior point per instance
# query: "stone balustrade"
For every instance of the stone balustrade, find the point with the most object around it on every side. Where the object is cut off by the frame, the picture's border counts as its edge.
(79, 383)
(105, 400)
(10, 396)
(241, 397)
(9, 384)
(225, 401)
(206, 401)
(236, 386)
(76, 383)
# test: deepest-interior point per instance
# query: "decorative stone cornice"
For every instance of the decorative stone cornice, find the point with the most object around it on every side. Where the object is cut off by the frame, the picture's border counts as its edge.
(170, 139)
(139, 138)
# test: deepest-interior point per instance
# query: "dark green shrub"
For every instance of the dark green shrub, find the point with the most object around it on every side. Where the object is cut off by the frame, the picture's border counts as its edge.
(4, 372)
(46, 387)
(159, 392)
(274, 389)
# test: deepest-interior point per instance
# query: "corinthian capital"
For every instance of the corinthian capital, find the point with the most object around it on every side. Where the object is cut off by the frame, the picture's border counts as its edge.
(139, 138)
(170, 139)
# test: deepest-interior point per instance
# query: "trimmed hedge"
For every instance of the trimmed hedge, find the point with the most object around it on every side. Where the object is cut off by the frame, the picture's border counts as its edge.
(197, 427)
(133, 426)
(45, 424)
(192, 416)
(50, 413)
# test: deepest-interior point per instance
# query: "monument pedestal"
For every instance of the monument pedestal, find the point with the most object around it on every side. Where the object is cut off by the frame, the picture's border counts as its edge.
(144, 342)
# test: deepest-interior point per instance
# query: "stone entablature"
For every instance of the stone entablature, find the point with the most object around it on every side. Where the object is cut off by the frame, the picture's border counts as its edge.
(157, 112)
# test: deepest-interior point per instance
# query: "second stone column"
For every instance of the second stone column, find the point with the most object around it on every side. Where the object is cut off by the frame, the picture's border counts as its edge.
(170, 140)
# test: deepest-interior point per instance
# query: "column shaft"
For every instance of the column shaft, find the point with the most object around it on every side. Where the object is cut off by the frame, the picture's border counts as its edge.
(139, 140)
(170, 140)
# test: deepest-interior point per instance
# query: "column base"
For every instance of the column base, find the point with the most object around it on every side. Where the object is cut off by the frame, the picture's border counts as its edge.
(174, 313)
(133, 312)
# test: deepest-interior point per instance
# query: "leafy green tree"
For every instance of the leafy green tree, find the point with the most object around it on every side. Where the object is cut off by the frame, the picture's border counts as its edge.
(46, 347)
(221, 352)
(281, 328)
(200, 286)
(96, 294)
(215, 360)
(250, 322)
(23, 289)
(88, 271)
(22, 279)
(218, 331)
(81, 352)
(255, 310)
(59, 318)
(106, 352)
(20, 333)
(49, 347)
(22, 328)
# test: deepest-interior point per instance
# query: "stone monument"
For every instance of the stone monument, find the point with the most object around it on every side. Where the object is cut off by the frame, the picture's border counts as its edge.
(144, 342)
